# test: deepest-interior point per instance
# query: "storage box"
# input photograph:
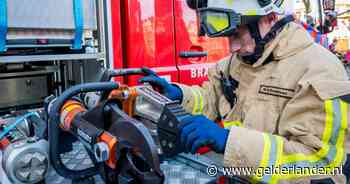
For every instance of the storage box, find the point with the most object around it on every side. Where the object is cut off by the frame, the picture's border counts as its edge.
(25, 88)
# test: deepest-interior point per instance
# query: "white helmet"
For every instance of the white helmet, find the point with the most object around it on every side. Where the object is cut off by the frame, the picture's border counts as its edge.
(249, 7)
(222, 17)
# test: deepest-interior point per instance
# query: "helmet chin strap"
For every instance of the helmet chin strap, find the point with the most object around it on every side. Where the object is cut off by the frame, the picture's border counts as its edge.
(261, 42)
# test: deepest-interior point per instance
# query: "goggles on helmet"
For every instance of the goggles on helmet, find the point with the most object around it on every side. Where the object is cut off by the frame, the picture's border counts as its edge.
(218, 22)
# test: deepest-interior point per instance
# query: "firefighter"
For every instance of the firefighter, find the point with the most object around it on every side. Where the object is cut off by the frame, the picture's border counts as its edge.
(283, 99)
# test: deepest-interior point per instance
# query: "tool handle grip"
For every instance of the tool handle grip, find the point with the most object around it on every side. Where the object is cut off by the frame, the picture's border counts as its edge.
(109, 74)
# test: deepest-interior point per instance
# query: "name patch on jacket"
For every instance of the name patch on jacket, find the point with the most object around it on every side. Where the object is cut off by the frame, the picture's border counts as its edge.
(277, 91)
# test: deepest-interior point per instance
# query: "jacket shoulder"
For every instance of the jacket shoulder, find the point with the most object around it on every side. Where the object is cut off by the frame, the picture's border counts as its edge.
(325, 73)
(314, 63)
(322, 64)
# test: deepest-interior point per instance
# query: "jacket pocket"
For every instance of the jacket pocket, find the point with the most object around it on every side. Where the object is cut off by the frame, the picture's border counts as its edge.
(261, 108)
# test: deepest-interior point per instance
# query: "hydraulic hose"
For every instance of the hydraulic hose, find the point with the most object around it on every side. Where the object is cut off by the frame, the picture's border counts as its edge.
(54, 129)
(109, 74)
(16, 123)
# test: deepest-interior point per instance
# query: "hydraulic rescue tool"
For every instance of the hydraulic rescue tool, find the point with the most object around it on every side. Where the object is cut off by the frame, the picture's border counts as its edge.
(24, 157)
(126, 130)
(158, 113)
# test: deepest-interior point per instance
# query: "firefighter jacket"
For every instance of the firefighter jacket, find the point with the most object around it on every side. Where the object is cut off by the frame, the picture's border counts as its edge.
(290, 114)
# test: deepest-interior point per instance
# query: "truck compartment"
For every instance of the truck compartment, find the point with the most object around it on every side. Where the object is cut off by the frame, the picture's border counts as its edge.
(48, 23)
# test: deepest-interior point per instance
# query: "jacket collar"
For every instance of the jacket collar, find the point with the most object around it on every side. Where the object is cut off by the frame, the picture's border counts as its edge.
(290, 41)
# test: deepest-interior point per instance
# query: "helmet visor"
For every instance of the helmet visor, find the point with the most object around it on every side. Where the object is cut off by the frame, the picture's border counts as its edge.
(218, 22)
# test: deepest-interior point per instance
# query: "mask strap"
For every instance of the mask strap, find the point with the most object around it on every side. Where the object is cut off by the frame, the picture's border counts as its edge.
(261, 42)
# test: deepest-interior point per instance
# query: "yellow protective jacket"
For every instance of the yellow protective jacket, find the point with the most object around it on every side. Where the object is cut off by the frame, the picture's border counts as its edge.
(291, 113)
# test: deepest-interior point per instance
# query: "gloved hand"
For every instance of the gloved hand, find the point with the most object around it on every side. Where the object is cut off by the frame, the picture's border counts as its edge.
(199, 131)
(169, 90)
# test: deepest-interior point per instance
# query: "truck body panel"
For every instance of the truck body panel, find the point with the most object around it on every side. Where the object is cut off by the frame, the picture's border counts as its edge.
(154, 33)
(148, 37)
(117, 34)
(193, 70)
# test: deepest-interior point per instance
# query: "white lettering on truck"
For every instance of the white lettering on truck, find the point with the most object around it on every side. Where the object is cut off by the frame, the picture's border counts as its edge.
(199, 72)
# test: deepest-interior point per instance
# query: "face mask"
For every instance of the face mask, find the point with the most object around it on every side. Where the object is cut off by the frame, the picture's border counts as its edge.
(251, 58)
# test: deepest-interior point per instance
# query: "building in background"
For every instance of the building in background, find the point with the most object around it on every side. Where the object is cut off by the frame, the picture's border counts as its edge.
(342, 31)
(343, 6)
(308, 11)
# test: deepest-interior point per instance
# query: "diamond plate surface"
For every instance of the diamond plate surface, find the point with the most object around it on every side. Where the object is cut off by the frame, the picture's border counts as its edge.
(75, 160)
(179, 173)
(175, 171)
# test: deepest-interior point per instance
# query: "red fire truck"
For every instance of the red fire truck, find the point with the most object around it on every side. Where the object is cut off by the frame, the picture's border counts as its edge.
(163, 35)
